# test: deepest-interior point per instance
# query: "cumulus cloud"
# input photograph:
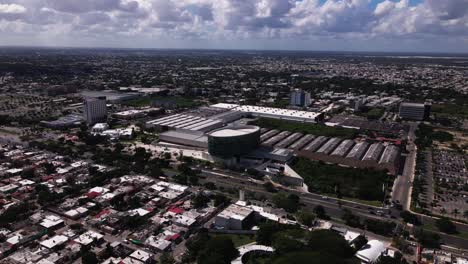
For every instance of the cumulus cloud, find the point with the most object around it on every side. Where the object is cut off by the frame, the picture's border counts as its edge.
(82, 6)
(239, 19)
(12, 9)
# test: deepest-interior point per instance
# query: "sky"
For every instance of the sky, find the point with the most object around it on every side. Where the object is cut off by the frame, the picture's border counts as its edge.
(321, 25)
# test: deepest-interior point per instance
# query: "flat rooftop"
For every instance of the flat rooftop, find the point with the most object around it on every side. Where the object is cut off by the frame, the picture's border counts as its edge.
(232, 132)
(260, 110)
(109, 94)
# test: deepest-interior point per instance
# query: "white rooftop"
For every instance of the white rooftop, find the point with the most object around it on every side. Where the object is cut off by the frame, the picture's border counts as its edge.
(371, 251)
(54, 241)
(51, 221)
(88, 237)
(232, 132)
(140, 255)
(235, 211)
(261, 110)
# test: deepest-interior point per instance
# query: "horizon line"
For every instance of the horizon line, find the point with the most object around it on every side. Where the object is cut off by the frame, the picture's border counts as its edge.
(232, 49)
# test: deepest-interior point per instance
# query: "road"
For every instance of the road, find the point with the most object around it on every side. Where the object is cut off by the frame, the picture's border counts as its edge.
(332, 207)
(402, 186)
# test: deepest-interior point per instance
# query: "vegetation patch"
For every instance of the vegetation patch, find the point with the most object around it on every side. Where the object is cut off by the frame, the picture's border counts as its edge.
(237, 239)
(372, 114)
(294, 245)
(426, 135)
(363, 184)
(450, 110)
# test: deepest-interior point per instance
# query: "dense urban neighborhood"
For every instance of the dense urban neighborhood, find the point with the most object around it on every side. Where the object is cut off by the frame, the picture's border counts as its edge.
(210, 156)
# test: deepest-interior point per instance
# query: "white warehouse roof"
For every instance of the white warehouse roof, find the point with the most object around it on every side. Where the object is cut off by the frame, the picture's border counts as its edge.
(270, 111)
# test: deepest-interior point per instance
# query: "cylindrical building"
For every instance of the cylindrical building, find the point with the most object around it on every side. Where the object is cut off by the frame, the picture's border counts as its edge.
(233, 141)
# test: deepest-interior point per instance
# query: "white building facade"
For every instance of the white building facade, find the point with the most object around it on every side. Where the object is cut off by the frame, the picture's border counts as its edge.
(300, 98)
(95, 110)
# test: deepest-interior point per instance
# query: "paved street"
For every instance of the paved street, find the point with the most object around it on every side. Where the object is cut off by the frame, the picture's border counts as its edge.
(332, 207)
(402, 187)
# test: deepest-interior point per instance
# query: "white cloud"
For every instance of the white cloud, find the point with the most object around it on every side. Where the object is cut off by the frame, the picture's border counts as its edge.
(12, 9)
(220, 20)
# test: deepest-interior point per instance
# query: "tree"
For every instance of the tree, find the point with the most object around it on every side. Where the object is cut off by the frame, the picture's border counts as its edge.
(397, 259)
(266, 232)
(197, 244)
(49, 168)
(446, 226)
(193, 179)
(320, 212)
(306, 218)
(210, 186)
(185, 169)
(330, 242)
(15, 212)
(220, 199)
(351, 219)
(218, 250)
(410, 218)
(285, 242)
(269, 187)
(89, 257)
(181, 179)
(28, 173)
(166, 258)
(200, 200)
(290, 203)
(384, 228)
(154, 170)
(359, 242)
(427, 239)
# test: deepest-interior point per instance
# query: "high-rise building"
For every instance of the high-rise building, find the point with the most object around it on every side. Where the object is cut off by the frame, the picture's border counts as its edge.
(415, 111)
(95, 110)
(300, 98)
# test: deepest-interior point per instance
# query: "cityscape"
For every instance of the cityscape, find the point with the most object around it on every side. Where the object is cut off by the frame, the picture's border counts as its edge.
(116, 152)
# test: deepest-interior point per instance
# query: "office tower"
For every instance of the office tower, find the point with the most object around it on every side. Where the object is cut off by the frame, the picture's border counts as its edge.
(95, 110)
(415, 111)
(300, 98)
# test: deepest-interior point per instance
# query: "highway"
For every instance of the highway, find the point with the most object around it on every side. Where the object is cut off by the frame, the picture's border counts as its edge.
(310, 200)
(331, 205)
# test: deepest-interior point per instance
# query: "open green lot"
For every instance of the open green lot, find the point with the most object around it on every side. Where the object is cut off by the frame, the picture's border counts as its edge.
(362, 184)
(237, 239)
(450, 110)
(305, 128)
(372, 114)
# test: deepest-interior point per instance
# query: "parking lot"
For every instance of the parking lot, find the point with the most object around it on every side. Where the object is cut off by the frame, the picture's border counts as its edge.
(450, 184)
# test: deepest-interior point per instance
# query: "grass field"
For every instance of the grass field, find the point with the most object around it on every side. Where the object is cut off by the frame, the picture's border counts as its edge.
(238, 240)
(362, 184)
(372, 114)
(450, 110)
